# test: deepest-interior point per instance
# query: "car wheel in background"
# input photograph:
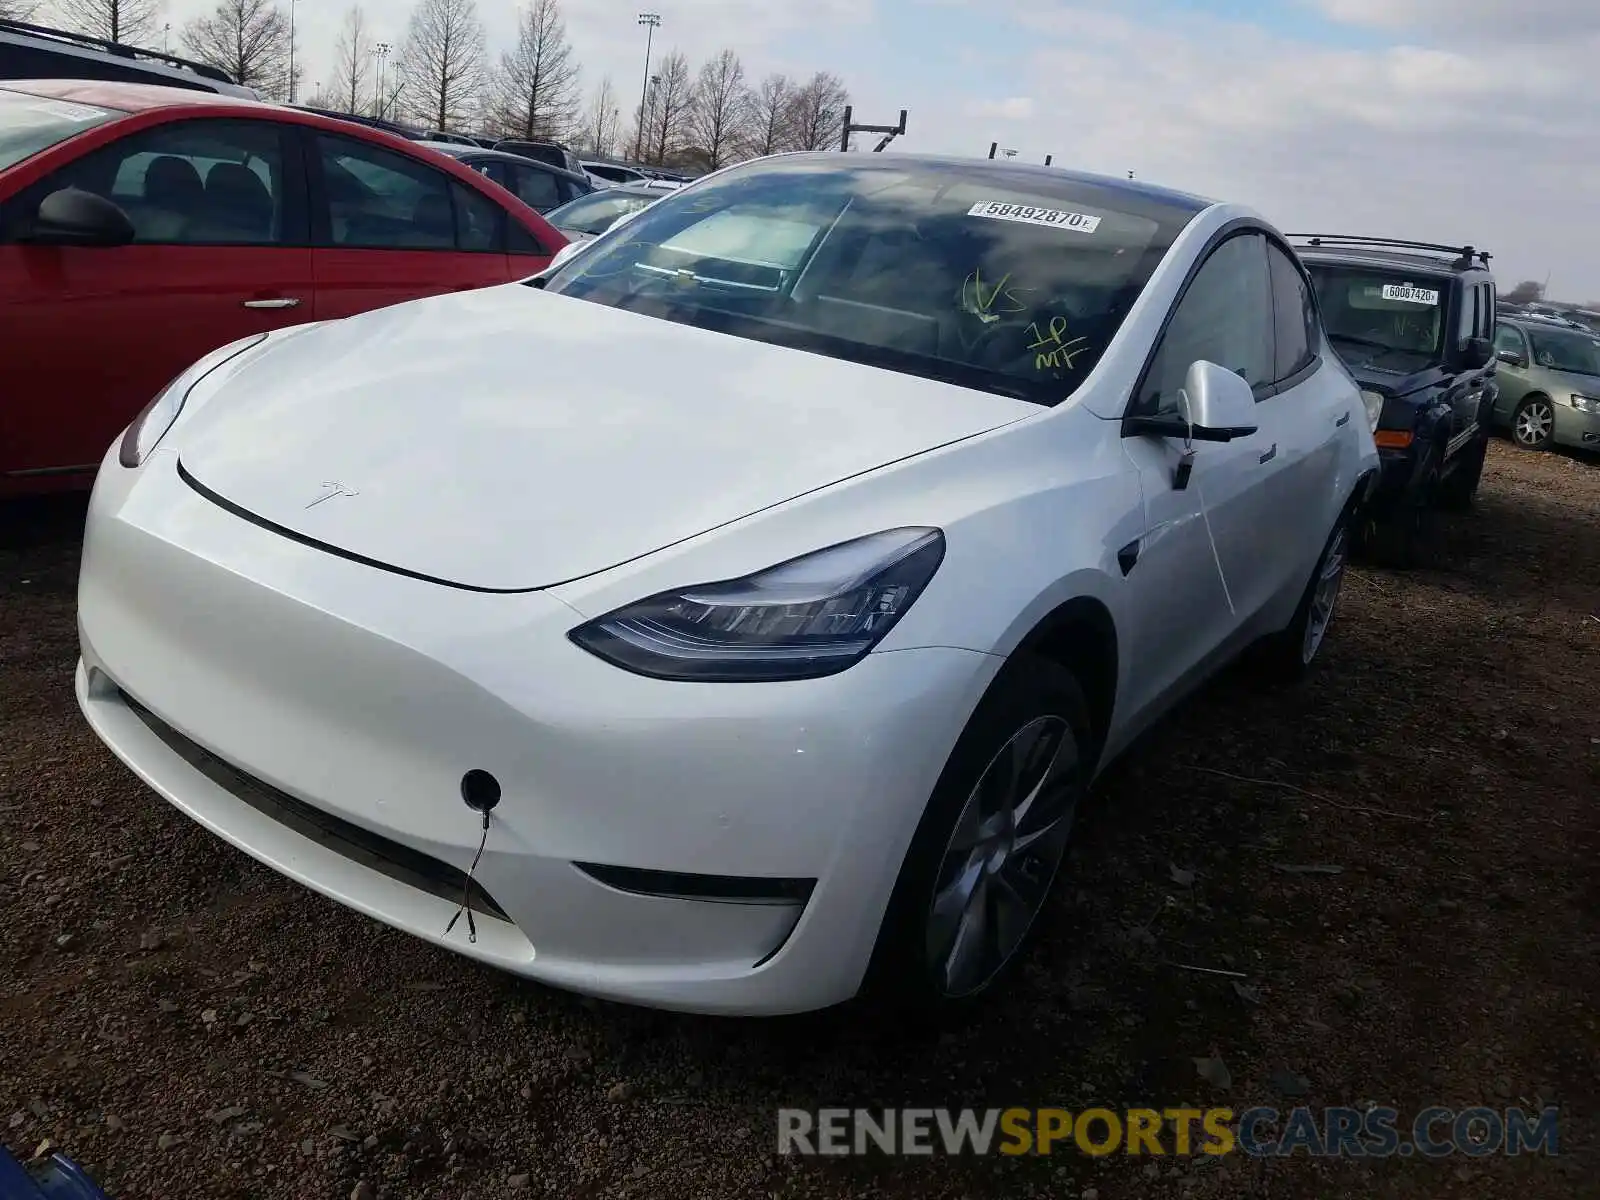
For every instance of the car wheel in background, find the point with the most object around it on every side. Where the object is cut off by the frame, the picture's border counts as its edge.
(1534, 423)
(1406, 534)
(1461, 485)
(986, 853)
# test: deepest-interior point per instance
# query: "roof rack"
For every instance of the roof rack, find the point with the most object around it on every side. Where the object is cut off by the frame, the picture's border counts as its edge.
(1464, 254)
(206, 70)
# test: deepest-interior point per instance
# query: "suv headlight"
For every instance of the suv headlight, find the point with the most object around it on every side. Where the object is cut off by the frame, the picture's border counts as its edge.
(805, 618)
(1588, 404)
(151, 425)
(1374, 403)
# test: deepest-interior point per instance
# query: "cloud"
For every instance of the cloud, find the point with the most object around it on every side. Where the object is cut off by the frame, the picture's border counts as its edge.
(1012, 108)
(1444, 142)
(1457, 20)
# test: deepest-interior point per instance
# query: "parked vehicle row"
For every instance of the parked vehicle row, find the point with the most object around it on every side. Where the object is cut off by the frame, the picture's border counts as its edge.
(1414, 322)
(778, 680)
(142, 227)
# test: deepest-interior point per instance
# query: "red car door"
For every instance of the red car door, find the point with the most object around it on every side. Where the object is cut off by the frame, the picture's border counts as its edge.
(220, 251)
(391, 226)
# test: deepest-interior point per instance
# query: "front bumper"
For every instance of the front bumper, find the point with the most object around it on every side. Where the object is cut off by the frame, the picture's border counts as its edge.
(320, 714)
(1576, 428)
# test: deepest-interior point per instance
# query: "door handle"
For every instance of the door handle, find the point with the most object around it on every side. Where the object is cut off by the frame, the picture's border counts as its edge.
(1270, 454)
(275, 302)
(1344, 420)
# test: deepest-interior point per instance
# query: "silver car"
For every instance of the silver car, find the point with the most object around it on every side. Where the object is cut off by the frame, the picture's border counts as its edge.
(1549, 377)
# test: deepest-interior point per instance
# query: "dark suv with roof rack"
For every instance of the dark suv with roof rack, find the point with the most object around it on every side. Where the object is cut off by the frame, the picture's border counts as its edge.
(39, 52)
(1414, 323)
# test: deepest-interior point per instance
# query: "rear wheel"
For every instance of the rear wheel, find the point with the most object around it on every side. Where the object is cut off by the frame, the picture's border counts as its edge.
(1534, 423)
(986, 853)
(1287, 656)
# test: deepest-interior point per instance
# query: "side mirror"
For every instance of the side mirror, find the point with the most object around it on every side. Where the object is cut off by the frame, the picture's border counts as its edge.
(1511, 358)
(1216, 404)
(563, 254)
(1479, 353)
(73, 217)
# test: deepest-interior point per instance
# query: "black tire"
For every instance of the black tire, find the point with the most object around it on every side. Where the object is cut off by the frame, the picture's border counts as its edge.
(1028, 691)
(1459, 487)
(1283, 657)
(1526, 407)
(1405, 537)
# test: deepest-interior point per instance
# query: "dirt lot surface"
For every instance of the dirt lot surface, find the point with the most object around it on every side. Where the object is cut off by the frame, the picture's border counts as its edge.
(188, 1024)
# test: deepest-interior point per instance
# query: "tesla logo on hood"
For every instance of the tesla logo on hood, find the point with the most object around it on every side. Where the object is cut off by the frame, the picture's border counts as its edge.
(333, 488)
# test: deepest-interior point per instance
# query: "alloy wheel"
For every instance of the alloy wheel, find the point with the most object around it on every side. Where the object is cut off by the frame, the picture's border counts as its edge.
(1002, 856)
(1534, 424)
(1324, 596)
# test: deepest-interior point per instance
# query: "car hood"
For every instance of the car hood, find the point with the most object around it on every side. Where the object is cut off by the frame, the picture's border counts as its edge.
(1396, 375)
(511, 439)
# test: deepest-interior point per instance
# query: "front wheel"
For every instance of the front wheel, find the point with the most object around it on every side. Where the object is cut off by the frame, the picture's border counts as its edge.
(986, 853)
(1534, 423)
(1461, 485)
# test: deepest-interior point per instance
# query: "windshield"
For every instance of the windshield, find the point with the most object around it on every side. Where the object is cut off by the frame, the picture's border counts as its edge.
(594, 214)
(1377, 315)
(1558, 350)
(1010, 281)
(29, 124)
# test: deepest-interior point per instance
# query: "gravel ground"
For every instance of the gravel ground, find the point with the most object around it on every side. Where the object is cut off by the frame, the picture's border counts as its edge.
(187, 1024)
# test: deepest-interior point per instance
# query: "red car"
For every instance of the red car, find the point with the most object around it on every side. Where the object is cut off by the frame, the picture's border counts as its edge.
(142, 227)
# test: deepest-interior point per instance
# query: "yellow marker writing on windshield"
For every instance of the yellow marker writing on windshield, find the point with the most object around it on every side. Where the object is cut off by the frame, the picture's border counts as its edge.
(1052, 349)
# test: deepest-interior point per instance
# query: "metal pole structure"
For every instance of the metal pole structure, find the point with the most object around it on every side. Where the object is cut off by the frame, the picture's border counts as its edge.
(844, 132)
(381, 53)
(166, 38)
(1047, 159)
(993, 146)
(292, 4)
(651, 22)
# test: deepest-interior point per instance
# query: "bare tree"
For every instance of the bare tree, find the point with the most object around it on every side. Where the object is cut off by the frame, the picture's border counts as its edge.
(602, 122)
(770, 105)
(721, 110)
(1527, 292)
(249, 39)
(18, 10)
(816, 112)
(352, 61)
(671, 103)
(536, 85)
(117, 20)
(442, 62)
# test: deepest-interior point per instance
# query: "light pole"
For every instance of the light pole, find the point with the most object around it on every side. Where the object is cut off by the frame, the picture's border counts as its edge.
(381, 52)
(292, 4)
(166, 38)
(651, 22)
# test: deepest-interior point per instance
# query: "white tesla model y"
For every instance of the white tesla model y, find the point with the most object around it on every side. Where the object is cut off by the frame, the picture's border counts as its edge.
(769, 664)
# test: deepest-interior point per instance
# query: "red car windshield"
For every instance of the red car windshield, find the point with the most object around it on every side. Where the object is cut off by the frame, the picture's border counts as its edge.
(29, 124)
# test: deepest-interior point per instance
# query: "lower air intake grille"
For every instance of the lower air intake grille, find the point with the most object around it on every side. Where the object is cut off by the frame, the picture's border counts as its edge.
(398, 862)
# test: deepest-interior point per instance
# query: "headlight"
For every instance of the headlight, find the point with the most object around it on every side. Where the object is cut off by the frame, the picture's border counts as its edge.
(811, 616)
(1588, 404)
(151, 425)
(1374, 403)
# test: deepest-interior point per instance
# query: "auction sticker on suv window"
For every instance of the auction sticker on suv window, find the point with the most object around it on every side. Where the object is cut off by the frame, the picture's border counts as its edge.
(1055, 218)
(1409, 294)
(68, 111)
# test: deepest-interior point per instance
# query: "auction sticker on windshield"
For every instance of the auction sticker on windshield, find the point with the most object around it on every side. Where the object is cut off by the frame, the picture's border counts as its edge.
(1055, 218)
(1409, 294)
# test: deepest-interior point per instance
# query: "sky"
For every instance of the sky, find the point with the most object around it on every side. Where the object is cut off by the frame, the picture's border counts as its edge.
(1461, 121)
